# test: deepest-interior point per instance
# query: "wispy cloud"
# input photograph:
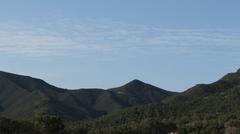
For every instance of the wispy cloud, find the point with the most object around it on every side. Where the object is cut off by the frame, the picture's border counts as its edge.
(64, 36)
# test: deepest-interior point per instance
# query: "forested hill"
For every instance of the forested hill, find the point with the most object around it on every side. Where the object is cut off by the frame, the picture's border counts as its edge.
(205, 108)
(134, 108)
(24, 96)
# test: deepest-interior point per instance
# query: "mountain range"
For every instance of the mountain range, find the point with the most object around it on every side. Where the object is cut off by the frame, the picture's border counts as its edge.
(203, 109)
(23, 96)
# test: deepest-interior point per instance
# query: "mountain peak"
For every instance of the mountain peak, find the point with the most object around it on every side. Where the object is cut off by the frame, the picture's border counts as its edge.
(135, 84)
(136, 81)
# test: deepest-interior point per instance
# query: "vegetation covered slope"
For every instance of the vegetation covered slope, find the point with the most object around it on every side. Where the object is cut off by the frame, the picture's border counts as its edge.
(205, 108)
(23, 96)
(219, 97)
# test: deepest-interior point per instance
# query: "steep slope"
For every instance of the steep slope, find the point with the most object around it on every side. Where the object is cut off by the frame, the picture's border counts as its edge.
(23, 96)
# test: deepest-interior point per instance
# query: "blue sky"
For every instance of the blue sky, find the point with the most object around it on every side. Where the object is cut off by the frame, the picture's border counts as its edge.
(90, 43)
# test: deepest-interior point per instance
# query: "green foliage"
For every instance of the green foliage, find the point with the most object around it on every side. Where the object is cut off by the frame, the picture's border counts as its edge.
(202, 127)
(146, 126)
(8, 126)
(77, 128)
(47, 124)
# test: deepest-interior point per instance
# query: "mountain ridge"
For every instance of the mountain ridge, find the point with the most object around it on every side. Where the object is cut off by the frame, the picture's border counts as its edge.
(23, 96)
(204, 108)
(81, 104)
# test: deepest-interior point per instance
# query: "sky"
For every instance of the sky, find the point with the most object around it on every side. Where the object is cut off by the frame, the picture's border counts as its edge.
(75, 44)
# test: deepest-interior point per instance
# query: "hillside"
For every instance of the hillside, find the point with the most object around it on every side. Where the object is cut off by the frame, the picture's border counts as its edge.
(204, 108)
(24, 96)
(135, 107)
(219, 97)
(137, 92)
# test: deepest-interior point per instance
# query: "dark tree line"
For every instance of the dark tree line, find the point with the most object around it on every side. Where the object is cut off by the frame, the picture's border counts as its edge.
(191, 124)
(41, 124)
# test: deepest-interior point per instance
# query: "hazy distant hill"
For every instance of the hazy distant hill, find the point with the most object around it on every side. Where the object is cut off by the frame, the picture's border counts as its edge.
(23, 96)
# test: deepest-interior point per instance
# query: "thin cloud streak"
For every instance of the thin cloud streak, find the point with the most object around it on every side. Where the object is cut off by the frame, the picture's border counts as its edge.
(64, 36)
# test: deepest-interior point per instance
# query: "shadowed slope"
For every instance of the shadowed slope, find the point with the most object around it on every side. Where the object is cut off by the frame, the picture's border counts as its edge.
(23, 96)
